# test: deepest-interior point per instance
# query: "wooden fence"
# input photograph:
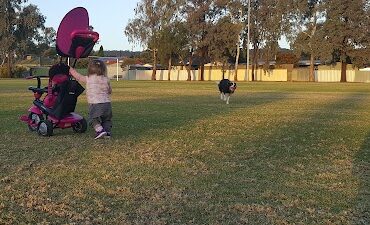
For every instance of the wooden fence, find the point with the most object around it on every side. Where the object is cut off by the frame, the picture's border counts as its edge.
(297, 74)
(209, 75)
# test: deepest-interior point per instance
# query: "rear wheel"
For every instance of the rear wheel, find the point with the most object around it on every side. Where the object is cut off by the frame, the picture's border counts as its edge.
(80, 126)
(35, 120)
(45, 128)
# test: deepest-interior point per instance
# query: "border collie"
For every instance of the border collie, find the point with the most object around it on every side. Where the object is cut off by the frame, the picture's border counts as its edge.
(226, 88)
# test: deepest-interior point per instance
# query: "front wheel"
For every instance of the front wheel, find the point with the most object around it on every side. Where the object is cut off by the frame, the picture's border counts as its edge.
(35, 120)
(45, 128)
(80, 126)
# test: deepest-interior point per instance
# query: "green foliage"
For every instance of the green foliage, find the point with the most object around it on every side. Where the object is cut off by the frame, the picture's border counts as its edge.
(146, 57)
(129, 61)
(82, 63)
(20, 71)
(267, 24)
(286, 58)
(100, 53)
(29, 22)
(331, 31)
(4, 72)
(17, 72)
(51, 53)
(224, 44)
(21, 31)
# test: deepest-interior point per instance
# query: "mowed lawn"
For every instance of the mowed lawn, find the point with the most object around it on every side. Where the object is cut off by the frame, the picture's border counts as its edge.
(280, 153)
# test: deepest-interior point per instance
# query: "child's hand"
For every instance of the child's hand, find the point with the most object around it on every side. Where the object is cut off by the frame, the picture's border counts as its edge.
(76, 75)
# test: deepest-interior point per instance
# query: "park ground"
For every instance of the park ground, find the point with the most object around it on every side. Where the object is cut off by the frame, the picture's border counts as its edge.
(280, 153)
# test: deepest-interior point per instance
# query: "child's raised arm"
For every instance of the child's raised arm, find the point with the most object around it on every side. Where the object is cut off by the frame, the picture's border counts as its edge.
(109, 89)
(76, 75)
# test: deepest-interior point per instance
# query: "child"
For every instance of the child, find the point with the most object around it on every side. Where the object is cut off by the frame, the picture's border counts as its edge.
(98, 91)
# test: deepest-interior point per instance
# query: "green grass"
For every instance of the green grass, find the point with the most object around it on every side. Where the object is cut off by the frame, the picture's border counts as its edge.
(280, 153)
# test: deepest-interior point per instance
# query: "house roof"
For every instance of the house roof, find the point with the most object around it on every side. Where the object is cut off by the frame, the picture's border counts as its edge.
(110, 60)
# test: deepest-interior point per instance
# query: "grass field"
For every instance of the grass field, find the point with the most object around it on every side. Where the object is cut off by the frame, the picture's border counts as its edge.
(280, 153)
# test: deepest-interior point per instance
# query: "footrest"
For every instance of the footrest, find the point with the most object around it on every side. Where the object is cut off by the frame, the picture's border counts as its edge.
(41, 106)
(24, 118)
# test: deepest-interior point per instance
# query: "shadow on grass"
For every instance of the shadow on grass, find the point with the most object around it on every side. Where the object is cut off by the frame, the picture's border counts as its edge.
(137, 119)
(293, 174)
(362, 172)
(132, 121)
(26, 164)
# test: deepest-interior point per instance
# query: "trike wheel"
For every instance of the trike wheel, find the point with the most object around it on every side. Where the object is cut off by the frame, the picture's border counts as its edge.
(45, 128)
(80, 126)
(35, 120)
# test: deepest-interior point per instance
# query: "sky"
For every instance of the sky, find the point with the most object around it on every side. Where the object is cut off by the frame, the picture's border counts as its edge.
(108, 17)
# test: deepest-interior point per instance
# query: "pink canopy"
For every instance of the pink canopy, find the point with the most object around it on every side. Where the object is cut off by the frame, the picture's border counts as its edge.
(74, 37)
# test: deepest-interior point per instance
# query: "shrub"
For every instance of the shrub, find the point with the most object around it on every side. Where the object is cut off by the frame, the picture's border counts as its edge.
(4, 72)
(20, 71)
(82, 63)
(17, 72)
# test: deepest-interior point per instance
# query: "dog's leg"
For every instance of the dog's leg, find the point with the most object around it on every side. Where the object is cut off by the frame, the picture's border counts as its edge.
(222, 96)
(227, 97)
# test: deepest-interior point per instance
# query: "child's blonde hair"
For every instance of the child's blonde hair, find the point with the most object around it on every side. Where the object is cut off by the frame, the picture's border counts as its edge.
(97, 67)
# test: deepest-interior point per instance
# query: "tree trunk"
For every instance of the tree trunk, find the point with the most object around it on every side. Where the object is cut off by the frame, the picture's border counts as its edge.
(9, 66)
(252, 72)
(154, 73)
(255, 63)
(201, 75)
(202, 57)
(237, 63)
(169, 68)
(312, 69)
(343, 73)
(188, 68)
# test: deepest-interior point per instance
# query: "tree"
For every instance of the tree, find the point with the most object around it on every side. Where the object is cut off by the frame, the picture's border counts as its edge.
(129, 61)
(182, 45)
(344, 32)
(51, 52)
(239, 15)
(8, 19)
(235, 11)
(306, 22)
(171, 40)
(286, 58)
(266, 26)
(199, 17)
(171, 34)
(29, 27)
(204, 20)
(100, 53)
(47, 43)
(146, 27)
(19, 29)
(222, 45)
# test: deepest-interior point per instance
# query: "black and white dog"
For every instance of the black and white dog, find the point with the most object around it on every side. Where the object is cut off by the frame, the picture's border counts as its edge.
(226, 88)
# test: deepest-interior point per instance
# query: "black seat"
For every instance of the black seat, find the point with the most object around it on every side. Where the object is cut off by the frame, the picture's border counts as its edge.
(67, 98)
